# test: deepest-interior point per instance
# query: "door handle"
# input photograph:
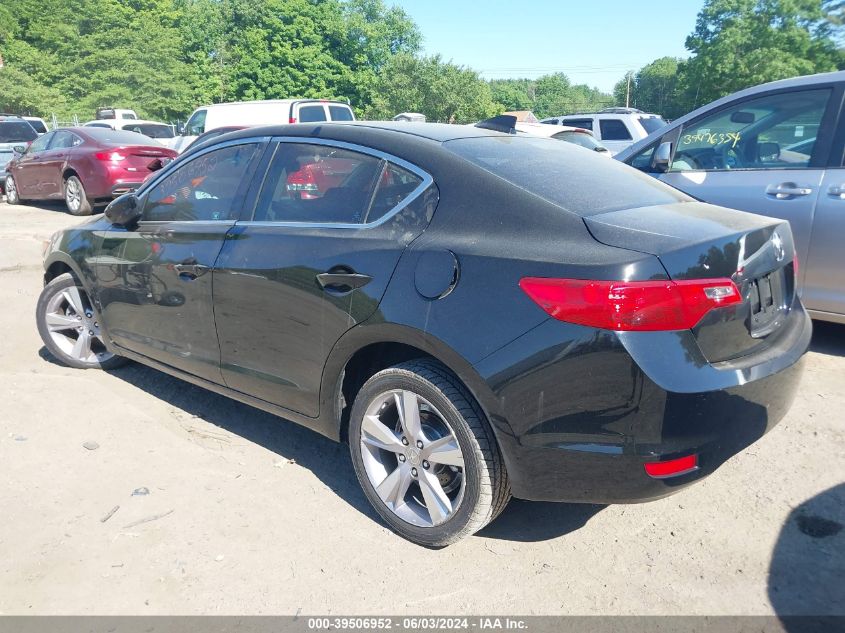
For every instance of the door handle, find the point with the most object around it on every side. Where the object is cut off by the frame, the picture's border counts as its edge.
(787, 191)
(341, 280)
(837, 191)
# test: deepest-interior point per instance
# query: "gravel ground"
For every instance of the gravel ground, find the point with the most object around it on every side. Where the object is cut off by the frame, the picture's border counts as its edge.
(224, 509)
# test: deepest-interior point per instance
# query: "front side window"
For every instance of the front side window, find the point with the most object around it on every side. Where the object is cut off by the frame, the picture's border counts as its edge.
(321, 184)
(41, 143)
(614, 130)
(203, 189)
(652, 123)
(773, 132)
(311, 114)
(196, 124)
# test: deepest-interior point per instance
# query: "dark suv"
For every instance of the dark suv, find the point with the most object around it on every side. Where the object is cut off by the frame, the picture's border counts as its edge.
(478, 314)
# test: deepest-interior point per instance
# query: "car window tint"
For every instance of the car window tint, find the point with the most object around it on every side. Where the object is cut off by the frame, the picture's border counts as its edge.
(202, 189)
(340, 113)
(41, 142)
(395, 185)
(309, 114)
(107, 136)
(565, 175)
(318, 184)
(614, 130)
(196, 124)
(62, 140)
(587, 124)
(642, 160)
(12, 131)
(579, 138)
(770, 132)
(153, 130)
(38, 126)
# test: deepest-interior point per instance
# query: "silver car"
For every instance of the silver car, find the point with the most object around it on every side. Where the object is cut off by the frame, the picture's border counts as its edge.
(777, 150)
(14, 133)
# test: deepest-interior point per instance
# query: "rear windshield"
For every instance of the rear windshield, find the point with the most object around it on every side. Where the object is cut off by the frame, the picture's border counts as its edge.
(12, 131)
(652, 123)
(153, 130)
(118, 137)
(575, 180)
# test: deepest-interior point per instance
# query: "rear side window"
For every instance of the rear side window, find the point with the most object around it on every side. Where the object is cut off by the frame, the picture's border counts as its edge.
(581, 182)
(320, 184)
(311, 113)
(340, 113)
(614, 130)
(203, 189)
(17, 131)
(587, 124)
(64, 140)
(395, 185)
(38, 126)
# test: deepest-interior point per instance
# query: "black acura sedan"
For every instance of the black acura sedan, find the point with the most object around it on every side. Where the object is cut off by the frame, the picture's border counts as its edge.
(477, 314)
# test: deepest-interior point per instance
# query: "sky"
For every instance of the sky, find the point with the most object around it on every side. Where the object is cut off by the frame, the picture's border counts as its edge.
(592, 41)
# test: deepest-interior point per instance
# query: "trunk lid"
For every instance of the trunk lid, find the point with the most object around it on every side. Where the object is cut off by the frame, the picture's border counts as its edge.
(700, 241)
(142, 158)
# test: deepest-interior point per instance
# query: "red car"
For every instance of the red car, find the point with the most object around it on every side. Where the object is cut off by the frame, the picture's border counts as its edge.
(85, 166)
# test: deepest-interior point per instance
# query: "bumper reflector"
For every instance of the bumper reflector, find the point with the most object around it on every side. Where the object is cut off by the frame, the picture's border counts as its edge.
(673, 467)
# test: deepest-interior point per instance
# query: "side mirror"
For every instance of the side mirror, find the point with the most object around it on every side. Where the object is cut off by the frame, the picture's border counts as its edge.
(662, 156)
(180, 130)
(124, 211)
(20, 149)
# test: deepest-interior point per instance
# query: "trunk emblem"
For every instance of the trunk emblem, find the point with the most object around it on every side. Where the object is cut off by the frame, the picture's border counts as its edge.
(777, 246)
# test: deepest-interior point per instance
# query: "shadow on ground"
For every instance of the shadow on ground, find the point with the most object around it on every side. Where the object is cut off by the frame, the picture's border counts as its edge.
(525, 521)
(807, 572)
(828, 338)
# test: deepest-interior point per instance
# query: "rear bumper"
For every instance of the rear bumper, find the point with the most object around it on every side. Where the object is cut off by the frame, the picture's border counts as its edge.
(120, 188)
(583, 426)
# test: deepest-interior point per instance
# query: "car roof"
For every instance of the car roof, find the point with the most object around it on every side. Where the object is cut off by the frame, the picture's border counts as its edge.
(546, 129)
(276, 101)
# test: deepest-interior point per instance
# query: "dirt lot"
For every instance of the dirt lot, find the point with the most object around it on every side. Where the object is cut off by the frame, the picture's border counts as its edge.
(259, 516)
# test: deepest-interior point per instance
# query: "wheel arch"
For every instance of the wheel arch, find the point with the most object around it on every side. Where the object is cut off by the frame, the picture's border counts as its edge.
(367, 349)
(58, 264)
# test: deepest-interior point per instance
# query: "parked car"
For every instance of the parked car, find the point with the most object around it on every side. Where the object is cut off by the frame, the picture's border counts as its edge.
(479, 314)
(114, 113)
(220, 131)
(274, 111)
(85, 166)
(777, 150)
(37, 123)
(161, 132)
(616, 128)
(15, 136)
(578, 136)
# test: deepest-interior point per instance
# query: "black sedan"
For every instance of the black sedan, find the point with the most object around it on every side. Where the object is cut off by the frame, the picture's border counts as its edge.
(477, 314)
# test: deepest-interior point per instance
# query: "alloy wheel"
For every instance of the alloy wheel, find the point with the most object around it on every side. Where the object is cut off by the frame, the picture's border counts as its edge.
(11, 190)
(412, 458)
(74, 328)
(73, 194)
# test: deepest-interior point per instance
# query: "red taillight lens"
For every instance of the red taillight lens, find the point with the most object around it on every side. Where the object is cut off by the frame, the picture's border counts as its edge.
(292, 119)
(672, 467)
(631, 305)
(114, 157)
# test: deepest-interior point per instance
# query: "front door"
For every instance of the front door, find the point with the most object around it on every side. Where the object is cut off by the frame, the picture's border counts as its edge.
(329, 227)
(28, 171)
(53, 161)
(763, 154)
(824, 280)
(154, 285)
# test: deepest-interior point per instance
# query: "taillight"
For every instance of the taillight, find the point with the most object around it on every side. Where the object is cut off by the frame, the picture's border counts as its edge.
(114, 157)
(292, 119)
(631, 305)
(672, 467)
(302, 180)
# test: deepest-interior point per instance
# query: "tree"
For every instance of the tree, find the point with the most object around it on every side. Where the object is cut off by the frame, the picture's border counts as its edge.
(741, 43)
(441, 90)
(654, 88)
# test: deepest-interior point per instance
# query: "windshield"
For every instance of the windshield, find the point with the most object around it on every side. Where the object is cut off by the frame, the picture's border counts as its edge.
(16, 131)
(580, 138)
(582, 182)
(652, 123)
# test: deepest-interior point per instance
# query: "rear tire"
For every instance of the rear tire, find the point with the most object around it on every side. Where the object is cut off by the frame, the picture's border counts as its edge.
(465, 485)
(11, 187)
(69, 326)
(76, 200)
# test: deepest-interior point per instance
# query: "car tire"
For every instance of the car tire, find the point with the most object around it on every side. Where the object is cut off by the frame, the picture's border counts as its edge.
(465, 485)
(11, 188)
(76, 200)
(69, 326)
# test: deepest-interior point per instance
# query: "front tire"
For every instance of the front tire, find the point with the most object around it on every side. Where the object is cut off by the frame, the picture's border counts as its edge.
(70, 327)
(425, 454)
(76, 200)
(11, 187)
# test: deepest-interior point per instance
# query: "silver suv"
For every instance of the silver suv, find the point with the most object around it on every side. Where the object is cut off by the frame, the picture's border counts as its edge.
(777, 150)
(616, 128)
(15, 132)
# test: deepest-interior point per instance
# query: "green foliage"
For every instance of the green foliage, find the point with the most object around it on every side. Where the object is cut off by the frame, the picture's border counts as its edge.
(165, 57)
(654, 88)
(549, 95)
(441, 90)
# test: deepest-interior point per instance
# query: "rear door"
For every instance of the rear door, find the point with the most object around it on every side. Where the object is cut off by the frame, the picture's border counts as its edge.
(154, 281)
(614, 134)
(754, 155)
(824, 278)
(329, 226)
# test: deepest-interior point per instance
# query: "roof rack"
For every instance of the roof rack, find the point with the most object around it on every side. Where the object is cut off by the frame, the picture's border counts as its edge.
(616, 110)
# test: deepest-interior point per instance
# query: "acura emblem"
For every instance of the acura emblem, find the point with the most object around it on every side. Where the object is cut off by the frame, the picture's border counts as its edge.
(777, 246)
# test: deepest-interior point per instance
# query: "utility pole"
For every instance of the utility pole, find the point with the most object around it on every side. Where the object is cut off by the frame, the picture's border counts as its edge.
(628, 91)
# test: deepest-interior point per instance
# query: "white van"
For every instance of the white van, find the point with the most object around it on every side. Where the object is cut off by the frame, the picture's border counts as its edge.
(269, 112)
